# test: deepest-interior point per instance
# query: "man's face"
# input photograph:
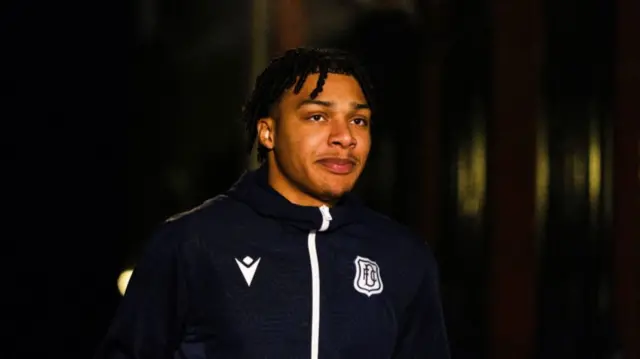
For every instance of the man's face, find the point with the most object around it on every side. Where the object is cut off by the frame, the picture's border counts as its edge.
(321, 145)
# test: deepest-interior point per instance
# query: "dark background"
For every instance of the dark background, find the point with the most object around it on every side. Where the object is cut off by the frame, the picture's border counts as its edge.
(508, 137)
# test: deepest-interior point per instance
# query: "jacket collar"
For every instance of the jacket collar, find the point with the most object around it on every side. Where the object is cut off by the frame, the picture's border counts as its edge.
(253, 189)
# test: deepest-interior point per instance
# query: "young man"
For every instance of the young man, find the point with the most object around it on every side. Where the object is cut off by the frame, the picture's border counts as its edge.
(287, 264)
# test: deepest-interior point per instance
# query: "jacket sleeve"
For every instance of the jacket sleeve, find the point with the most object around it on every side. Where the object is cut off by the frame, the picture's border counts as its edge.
(423, 332)
(148, 321)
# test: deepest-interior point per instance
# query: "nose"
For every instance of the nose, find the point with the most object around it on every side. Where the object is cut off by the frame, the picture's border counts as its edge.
(342, 135)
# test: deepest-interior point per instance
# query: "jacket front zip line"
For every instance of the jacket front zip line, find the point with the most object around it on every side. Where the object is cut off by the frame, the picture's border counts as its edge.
(315, 281)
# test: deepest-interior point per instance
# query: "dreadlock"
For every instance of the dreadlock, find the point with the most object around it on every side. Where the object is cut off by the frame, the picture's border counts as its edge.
(291, 70)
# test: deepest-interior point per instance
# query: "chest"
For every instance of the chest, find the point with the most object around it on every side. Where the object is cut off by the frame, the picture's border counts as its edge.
(286, 294)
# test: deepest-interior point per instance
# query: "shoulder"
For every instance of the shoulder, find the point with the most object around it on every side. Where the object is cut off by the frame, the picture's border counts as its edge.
(210, 208)
(399, 239)
(209, 215)
(385, 226)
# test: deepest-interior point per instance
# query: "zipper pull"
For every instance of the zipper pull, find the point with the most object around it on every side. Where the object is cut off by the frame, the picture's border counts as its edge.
(326, 218)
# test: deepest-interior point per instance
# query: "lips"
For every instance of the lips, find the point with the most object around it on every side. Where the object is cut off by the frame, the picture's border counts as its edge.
(338, 165)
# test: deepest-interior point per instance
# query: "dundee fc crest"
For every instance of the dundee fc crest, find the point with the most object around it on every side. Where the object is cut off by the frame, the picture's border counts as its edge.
(367, 280)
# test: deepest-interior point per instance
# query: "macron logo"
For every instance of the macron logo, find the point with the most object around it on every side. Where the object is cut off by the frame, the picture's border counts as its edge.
(248, 268)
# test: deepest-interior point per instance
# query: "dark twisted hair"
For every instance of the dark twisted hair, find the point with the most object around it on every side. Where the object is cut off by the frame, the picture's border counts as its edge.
(292, 69)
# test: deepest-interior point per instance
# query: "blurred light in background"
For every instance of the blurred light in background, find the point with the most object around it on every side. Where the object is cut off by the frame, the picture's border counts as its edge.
(595, 171)
(472, 168)
(123, 280)
(543, 174)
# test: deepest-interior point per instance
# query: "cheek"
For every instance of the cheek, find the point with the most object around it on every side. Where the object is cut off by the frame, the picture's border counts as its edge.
(364, 146)
(308, 145)
(295, 152)
(295, 139)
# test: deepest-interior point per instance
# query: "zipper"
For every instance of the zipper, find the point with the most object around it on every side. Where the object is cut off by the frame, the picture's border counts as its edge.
(315, 281)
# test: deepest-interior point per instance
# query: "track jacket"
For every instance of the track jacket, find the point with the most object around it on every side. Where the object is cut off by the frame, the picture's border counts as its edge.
(250, 275)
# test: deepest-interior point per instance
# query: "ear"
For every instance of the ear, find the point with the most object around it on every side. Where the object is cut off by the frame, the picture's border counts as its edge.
(266, 132)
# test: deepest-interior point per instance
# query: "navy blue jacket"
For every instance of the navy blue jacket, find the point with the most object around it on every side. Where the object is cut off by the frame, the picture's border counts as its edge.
(250, 275)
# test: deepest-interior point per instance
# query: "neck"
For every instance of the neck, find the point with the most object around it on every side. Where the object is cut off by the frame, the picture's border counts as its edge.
(289, 190)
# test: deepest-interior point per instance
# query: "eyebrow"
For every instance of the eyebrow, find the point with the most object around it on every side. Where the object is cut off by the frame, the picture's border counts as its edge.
(356, 106)
(361, 106)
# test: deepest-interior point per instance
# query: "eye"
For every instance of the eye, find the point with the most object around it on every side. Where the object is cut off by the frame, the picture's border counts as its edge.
(360, 121)
(316, 117)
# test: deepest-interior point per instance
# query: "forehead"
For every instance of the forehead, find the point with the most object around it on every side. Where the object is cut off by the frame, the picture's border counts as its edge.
(336, 87)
